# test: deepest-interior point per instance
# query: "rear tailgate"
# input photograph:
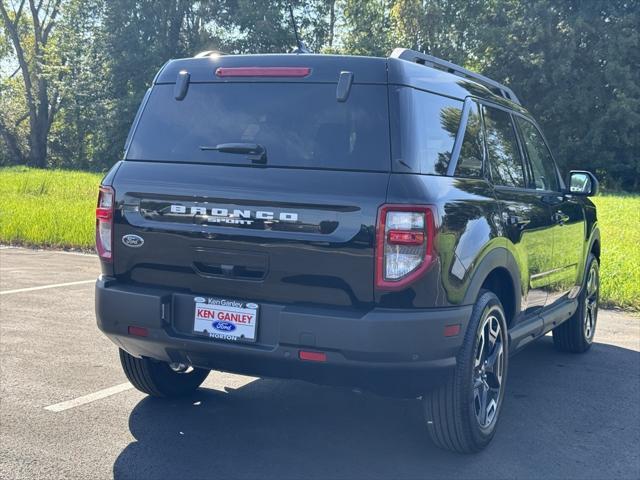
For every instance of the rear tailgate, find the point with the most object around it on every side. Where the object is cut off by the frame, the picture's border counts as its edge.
(299, 229)
(325, 256)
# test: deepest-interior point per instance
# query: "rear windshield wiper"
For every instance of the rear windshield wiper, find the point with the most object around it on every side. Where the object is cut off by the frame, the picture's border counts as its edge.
(254, 151)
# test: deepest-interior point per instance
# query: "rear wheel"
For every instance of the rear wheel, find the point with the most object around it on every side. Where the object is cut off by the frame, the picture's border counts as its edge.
(462, 414)
(576, 334)
(158, 379)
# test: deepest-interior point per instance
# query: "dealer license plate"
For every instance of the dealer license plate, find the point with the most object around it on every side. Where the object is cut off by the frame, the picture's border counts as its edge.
(225, 319)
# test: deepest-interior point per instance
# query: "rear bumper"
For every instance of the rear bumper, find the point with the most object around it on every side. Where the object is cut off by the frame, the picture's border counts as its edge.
(394, 351)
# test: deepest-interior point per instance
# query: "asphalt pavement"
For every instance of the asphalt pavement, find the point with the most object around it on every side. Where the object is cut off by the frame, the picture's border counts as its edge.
(67, 411)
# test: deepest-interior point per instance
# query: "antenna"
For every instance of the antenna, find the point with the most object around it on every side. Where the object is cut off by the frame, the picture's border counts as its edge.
(301, 47)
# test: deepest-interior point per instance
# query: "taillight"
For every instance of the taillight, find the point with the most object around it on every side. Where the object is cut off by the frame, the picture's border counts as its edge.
(104, 222)
(263, 71)
(404, 244)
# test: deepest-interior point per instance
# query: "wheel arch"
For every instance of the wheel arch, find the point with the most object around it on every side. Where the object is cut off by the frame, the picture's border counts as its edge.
(498, 272)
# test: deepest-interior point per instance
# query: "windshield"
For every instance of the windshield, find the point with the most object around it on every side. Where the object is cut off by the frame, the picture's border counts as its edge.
(299, 125)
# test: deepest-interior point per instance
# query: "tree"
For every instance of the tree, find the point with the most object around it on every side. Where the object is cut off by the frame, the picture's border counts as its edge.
(77, 133)
(30, 34)
(443, 28)
(367, 27)
(565, 61)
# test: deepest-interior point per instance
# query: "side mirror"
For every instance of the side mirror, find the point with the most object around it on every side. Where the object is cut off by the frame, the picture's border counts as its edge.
(583, 183)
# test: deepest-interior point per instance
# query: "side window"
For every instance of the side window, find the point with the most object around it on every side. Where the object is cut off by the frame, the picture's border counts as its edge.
(544, 171)
(426, 129)
(504, 156)
(437, 119)
(472, 151)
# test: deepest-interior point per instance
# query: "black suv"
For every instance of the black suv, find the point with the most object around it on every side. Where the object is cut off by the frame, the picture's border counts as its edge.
(395, 224)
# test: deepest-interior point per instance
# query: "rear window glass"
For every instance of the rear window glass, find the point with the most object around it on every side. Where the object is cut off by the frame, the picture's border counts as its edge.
(299, 125)
(425, 131)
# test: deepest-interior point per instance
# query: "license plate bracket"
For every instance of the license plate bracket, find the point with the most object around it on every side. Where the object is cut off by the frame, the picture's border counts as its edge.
(224, 319)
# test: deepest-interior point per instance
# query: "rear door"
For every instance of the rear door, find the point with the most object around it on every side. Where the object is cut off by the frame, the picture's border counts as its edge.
(298, 228)
(526, 214)
(567, 214)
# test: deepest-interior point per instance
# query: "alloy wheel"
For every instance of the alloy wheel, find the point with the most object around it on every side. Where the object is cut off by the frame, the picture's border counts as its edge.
(488, 370)
(591, 303)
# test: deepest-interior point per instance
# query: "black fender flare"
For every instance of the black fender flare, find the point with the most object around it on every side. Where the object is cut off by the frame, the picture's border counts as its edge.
(499, 257)
(593, 238)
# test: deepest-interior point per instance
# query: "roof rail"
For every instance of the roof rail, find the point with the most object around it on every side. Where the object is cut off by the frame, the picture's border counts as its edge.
(208, 53)
(434, 62)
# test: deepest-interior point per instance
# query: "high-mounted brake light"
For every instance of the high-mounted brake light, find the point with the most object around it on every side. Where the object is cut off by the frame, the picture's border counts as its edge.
(404, 244)
(104, 222)
(263, 71)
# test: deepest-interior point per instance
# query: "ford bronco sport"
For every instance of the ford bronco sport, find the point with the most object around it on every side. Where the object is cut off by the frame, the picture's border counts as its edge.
(395, 224)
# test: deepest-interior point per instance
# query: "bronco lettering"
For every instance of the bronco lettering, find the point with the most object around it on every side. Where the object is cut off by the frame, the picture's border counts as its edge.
(236, 216)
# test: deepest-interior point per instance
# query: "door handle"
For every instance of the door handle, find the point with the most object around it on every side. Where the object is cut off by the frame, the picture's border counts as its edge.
(518, 221)
(560, 217)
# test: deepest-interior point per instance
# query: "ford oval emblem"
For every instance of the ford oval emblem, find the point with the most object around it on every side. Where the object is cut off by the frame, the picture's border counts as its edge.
(224, 326)
(134, 241)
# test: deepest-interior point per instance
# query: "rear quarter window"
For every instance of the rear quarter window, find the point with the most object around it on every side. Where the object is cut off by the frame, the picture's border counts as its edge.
(424, 126)
(471, 159)
(299, 124)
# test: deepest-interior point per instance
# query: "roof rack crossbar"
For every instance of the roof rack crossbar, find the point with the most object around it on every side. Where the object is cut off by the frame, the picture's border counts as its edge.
(430, 61)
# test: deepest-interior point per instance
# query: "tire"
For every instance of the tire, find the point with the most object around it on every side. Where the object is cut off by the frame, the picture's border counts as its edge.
(454, 415)
(576, 334)
(158, 379)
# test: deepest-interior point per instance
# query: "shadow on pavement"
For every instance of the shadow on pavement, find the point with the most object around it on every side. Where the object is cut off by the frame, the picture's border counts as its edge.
(565, 416)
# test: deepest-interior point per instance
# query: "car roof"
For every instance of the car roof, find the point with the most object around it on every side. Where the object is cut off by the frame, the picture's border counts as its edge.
(324, 68)
(327, 69)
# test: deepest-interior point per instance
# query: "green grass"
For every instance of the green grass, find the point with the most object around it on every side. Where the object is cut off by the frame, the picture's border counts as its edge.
(52, 208)
(619, 220)
(56, 208)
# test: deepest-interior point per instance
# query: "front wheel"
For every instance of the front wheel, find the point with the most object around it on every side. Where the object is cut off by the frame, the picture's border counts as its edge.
(158, 379)
(576, 334)
(462, 414)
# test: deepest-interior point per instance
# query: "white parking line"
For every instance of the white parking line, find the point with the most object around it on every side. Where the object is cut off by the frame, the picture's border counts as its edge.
(55, 285)
(92, 397)
(43, 250)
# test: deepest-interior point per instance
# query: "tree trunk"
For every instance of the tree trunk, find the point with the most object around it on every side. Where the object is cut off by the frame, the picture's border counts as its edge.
(17, 157)
(38, 146)
(175, 27)
(40, 127)
(332, 22)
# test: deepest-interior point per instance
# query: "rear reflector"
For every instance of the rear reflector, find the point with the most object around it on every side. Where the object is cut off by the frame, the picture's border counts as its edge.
(313, 356)
(263, 71)
(138, 331)
(451, 330)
